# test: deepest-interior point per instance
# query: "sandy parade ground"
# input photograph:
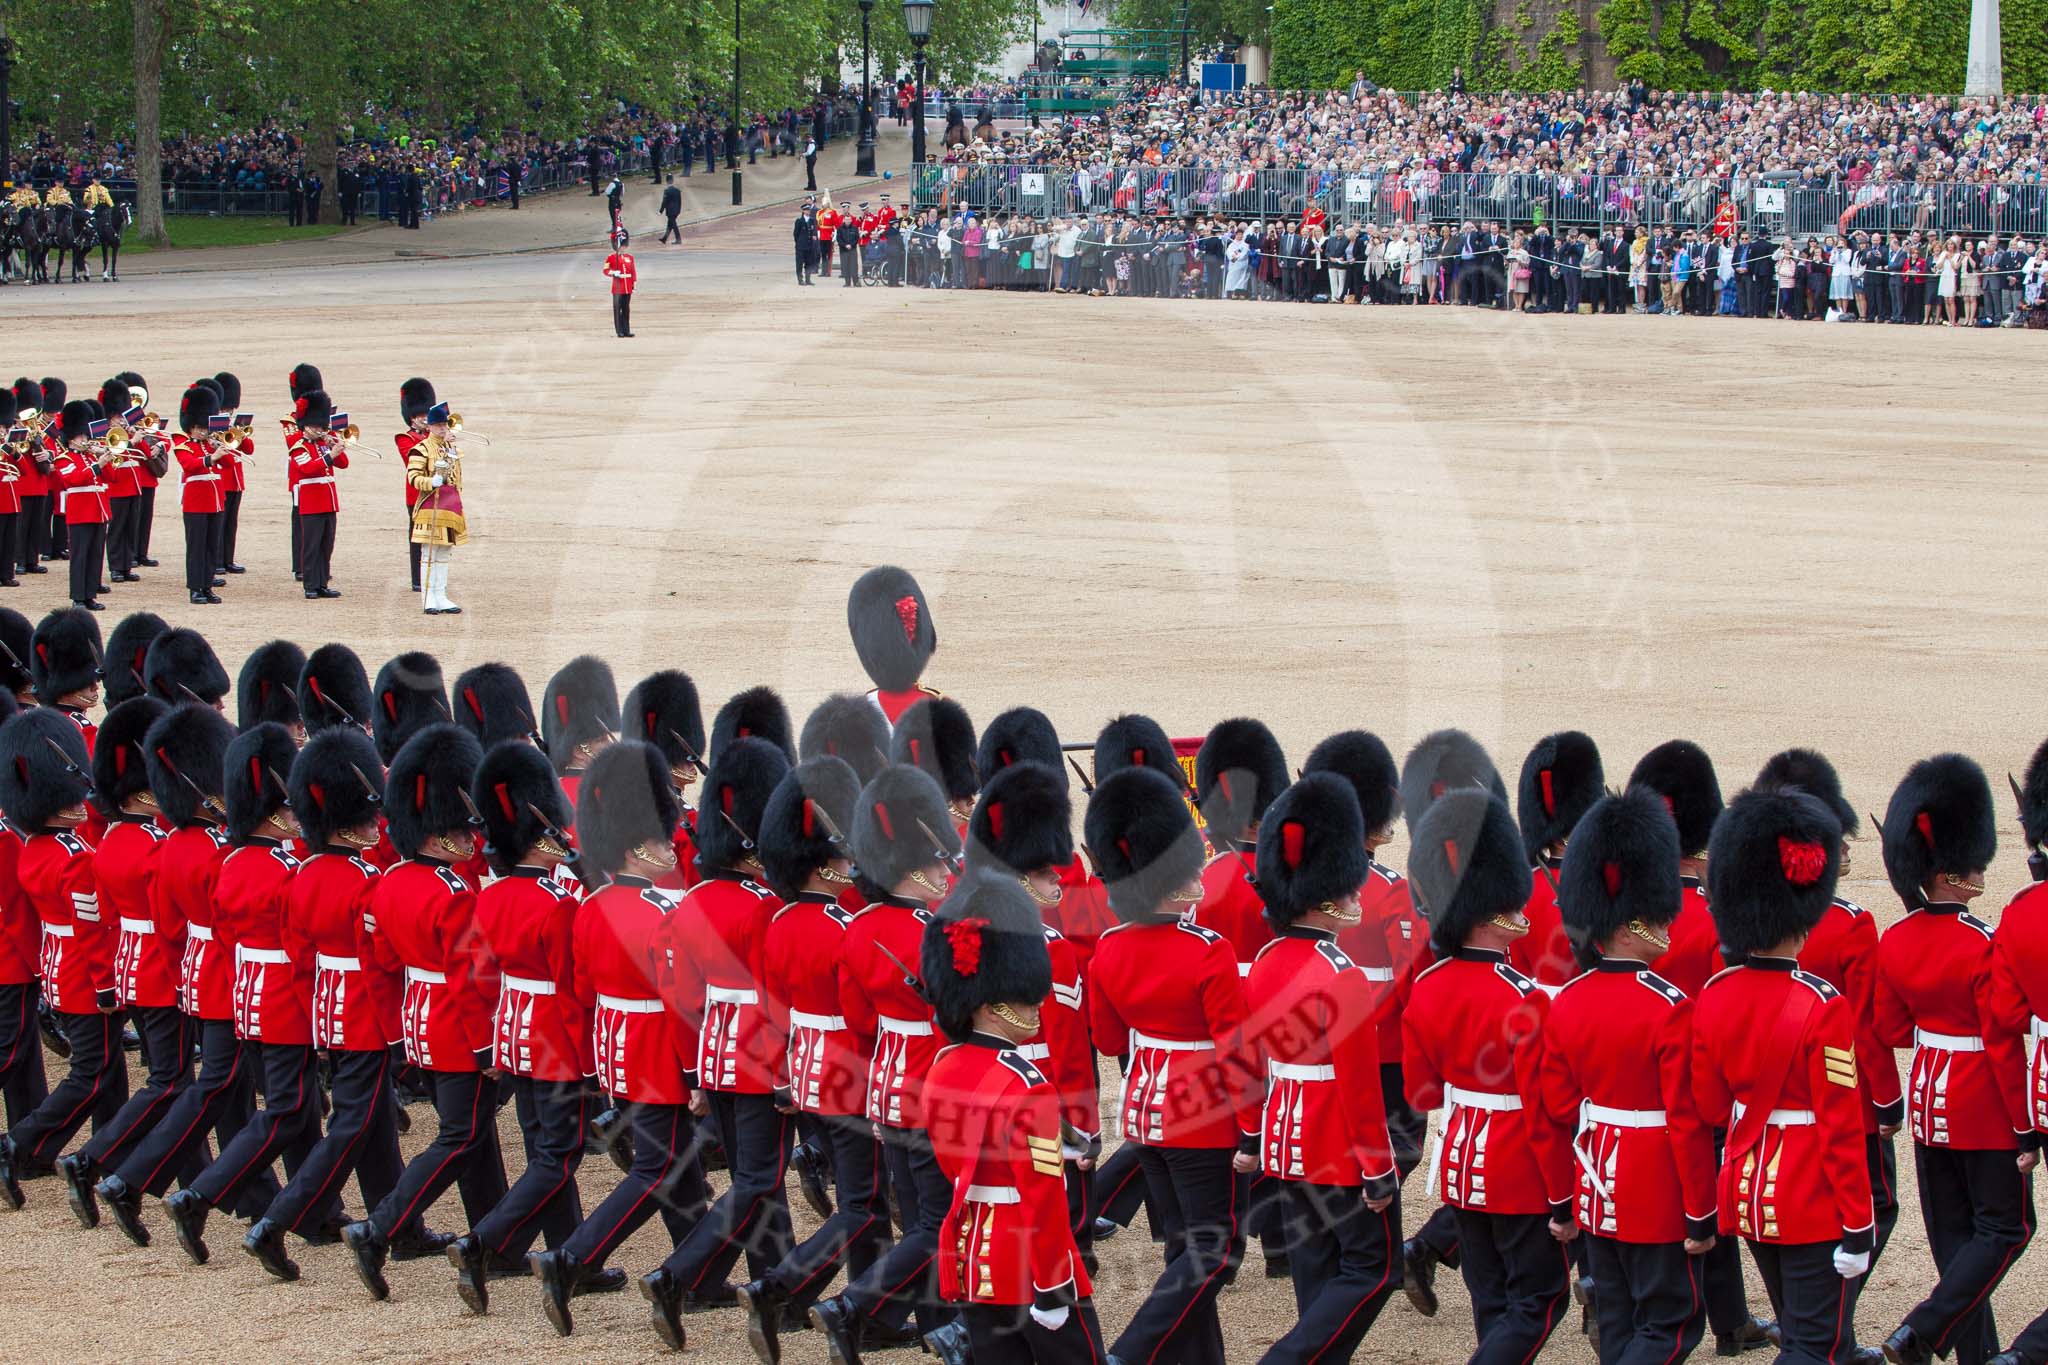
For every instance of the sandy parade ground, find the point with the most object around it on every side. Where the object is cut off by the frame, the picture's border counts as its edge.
(1749, 534)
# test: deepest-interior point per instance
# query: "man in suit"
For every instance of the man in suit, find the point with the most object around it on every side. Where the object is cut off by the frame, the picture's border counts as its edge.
(311, 189)
(804, 236)
(348, 192)
(294, 199)
(1877, 285)
(671, 208)
(1542, 251)
(1571, 259)
(1895, 277)
(811, 164)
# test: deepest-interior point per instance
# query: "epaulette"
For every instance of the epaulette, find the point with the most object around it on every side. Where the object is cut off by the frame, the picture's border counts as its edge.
(451, 879)
(367, 869)
(555, 888)
(839, 914)
(1817, 984)
(1022, 1065)
(284, 859)
(217, 834)
(1506, 972)
(1053, 935)
(1965, 917)
(761, 892)
(1384, 873)
(1851, 906)
(1661, 986)
(1334, 955)
(72, 844)
(156, 834)
(1206, 935)
(658, 898)
(922, 916)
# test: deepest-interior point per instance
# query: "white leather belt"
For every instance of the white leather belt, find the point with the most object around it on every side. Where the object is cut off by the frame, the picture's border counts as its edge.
(422, 975)
(270, 957)
(910, 1028)
(1300, 1071)
(1378, 973)
(202, 478)
(2037, 1028)
(200, 933)
(1482, 1099)
(1948, 1042)
(1146, 1040)
(1591, 1113)
(822, 1023)
(337, 964)
(993, 1194)
(88, 488)
(1781, 1118)
(625, 1005)
(58, 930)
(1033, 1052)
(731, 995)
(137, 926)
(530, 984)
(308, 483)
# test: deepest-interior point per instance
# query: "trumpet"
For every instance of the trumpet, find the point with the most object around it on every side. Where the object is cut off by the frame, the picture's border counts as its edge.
(455, 427)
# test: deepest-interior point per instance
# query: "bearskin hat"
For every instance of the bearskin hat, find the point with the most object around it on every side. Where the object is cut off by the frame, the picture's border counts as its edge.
(1771, 868)
(35, 783)
(1238, 772)
(427, 790)
(1134, 741)
(2034, 797)
(1680, 771)
(138, 387)
(984, 946)
(334, 689)
(313, 410)
(626, 799)
(267, 688)
(115, 398)
(851, 727)
(415, 399)
(892, 627)
(54, 393)
(120, 763)
(182, 667)
(1561, 779)
(127, 653)
(742, 778)
(662, 710)
(409, 695)
(303, 380)
(757, 713)
(16, 649)
(196, 407)
(64, 653)
(254, 776)
(490, 701)
(9, 707)
(1442, 761)
(1143, 841)
(28, 397)
(1022, 734)
(336, 782)
(520, 799)
(10, 408)
(813, 800)
(900, 824)
(1023, 821)
(188, 754)
(94, 408)
(1940, 821)
(230, 391)
(1311, 848)
(75, 421)
(1810, 771)
(1621, 865)
(936, 736)
(1363, 759)
(581, 704)
(1467, 864)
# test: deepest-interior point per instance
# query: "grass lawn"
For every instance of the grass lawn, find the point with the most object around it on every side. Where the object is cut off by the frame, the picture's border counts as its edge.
(190, 230)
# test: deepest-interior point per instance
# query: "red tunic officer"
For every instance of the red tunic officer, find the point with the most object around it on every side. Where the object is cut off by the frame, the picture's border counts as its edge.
(491, 702)
(199, 456)
(1774, 1062)
(1309, 1027)
(1966, 1100)
(313, 456)
(624, 275)
(23, 1083)
(1006, 1253)
(1023, 734)
(2019, 994)
(892, 630)
(239, 447)
(34, 412)
(80, 471)
(828, 224)
(334, 690)
(663, 710)
(124, 482)
(14, 439)
(64, 669)
(303, 379)
(579, 716)
(937, 736)
(1617, 1068)
(1238, 772)
(1561, 779)
(415, 400)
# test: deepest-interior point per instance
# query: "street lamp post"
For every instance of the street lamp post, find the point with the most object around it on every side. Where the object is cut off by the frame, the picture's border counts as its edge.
(732, 146)
(864, 159)
(917, 21)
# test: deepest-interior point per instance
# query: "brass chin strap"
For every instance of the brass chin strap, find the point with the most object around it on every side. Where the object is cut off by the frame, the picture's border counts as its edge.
(640, 851)
(353, 840)
(751, 861)
(1963, 883)
(919, 877)
(1659, 941)
(1341, 915)
(1037, 895)
(1188, 895)
(441, 842)
(1508, 924)
(1012, 1018)
(833, 876)
(549, 848)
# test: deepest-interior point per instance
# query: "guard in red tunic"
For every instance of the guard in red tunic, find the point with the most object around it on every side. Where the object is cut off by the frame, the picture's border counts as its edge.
(124, 482)
(716, 944)
(491, 702)
(199, 458)
(32, 531)
(936, 735)
(266, 689)
(304, 379)
(2019, 997)
(45, 778)
(850, 727)
(1561, 779)
(81, 471)
(1164, 994)
(1774, 1064)
(579, 716)
(663, 710)
(312, 457)
(1473, 1035)
(1023, 734)
(1006, 1252)
(23, 1082)
(903, 851)
(894, 636)
(1617, 1069)
(1967, 1099)
(12, 434)
(1323, 1146)
(1238, 773)
(415, 400)
(240, 448)
(645, 1050)
(804, 857)
(127, 653)
(64, 668)
(334, 690)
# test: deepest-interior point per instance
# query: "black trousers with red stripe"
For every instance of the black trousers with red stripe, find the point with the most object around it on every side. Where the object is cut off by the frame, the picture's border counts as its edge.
(167, 1055)
(858, 1230)
(464, 1153)
(287, 1126)
(1815, 1306)
(667, 1178)
(23, 1083)
(1883, 1156)
(544, 1202)
(222, 1098)
(1652, 1300)
(1727, 1296)
(1007, 1334)
(1119, 1190)
(1196, 1193)
(1979, 1214)
(93, 1088)
(1519, 1277)
(1344, 1260)
(361, 1139)
(753, 1214)
(908, 1272)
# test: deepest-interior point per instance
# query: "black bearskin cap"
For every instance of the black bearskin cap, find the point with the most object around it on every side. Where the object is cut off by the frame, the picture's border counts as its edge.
(64, 653)
(188, 754)
(1238, 773)
(198, 404)
(334, 689)
(1561, 779)
(127, 654)
(984, 946)
(426, 792)
(742, 778)
(253, 777)
(313, 410)
(848, 726)
(1442, 761)
(182, 667)
(2034, 797)
(937, 737)
(230, 391)
(138, 387)
(28, 396)
(74, 421)
(1133, 741)
(1621, 865)
(626, 799)
(1363, 759)
(490, 702)
(1771, 869)
(757, 713)
(409, 696)
(891, 626)
(1022, 734)
(54, 393)
(10, 409)
(15, 635)
(1467, 864)
(512, 782)
(267, 688)
(114, 398)
(304, 379)
(336, 783)
(415, 398)
(1939, 821)
(1810, 771)
(1680, 771)
(1311, 848)
(34, 783)
(795, 841)
(9, 707)
(581, 704)
(120, 763)
(1023, 821)
(900, 825)
(212, 386)
(1143, 841)
(663, 710)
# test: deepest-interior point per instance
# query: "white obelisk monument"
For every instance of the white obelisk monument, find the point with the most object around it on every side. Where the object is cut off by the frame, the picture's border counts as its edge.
(1987, 65)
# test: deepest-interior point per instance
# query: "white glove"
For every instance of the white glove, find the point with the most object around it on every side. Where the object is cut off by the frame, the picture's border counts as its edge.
(1053, 1321)
(438, 481)
(1850, 1265)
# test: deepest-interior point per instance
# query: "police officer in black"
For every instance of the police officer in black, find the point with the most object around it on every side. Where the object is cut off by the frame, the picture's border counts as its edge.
(805, 237)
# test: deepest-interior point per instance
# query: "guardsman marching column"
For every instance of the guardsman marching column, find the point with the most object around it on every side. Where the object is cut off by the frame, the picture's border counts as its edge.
(579, 716)
(304, 379)
(2019, 994)
(1238, 773)
(199, 460)
(894, 636)
(314, 454)
(937, 736)
(1561, 779)
(663, 710)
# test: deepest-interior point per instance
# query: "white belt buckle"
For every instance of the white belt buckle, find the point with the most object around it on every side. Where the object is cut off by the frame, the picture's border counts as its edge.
(532, 985)
(628, 1005)
(818, 1023)
(137, 926)
(993, 1194)
(426, 977)
(730, 995)
(912, 1028)
(336, 964)
(1300, 1071)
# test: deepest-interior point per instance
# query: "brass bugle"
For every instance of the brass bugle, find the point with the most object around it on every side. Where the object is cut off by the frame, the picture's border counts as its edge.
(455, 426)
